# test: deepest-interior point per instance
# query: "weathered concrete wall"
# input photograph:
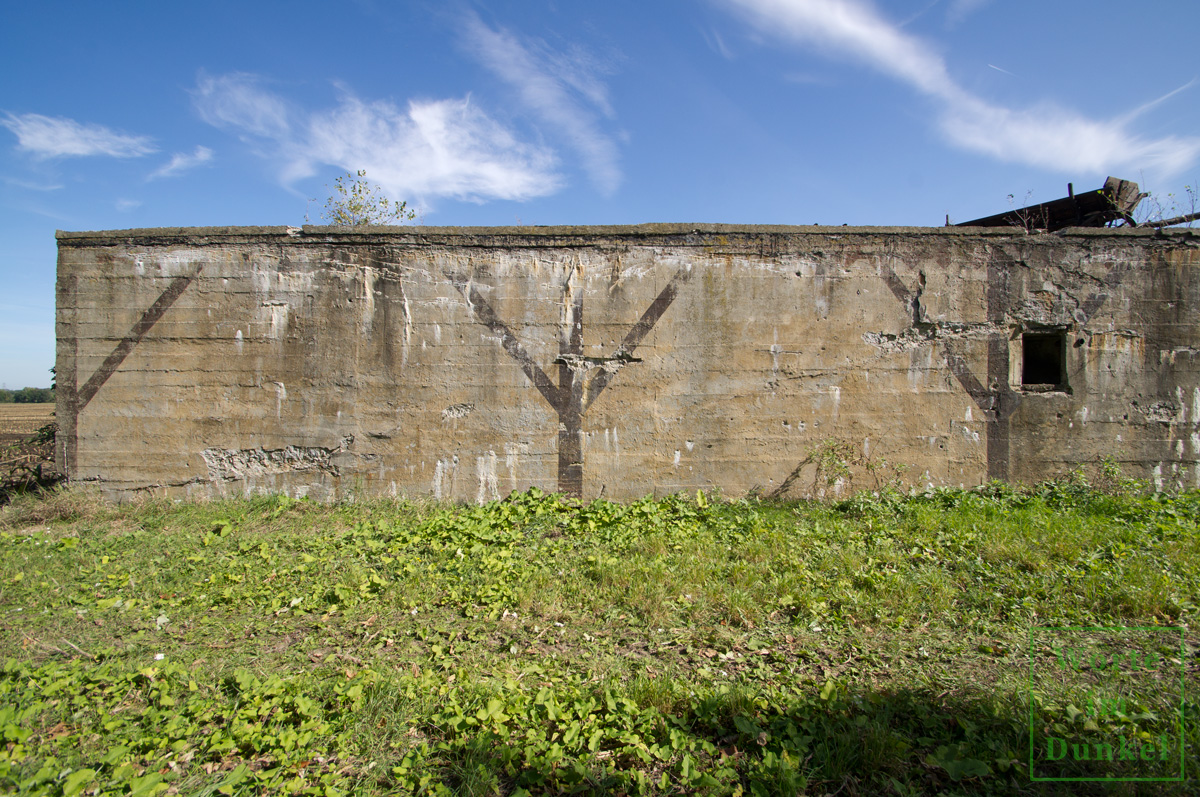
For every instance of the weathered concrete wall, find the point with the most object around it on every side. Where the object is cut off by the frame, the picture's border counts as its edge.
(466, 363)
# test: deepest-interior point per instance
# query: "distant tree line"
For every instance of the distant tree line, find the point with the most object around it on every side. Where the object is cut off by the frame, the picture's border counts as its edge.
(27, 395)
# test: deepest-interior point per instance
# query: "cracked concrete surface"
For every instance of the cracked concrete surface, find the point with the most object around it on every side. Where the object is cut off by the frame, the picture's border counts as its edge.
(248, 463)
(623, 360)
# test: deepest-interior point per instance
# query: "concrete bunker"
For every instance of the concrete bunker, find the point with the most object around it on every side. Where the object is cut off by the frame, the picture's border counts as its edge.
(619, 361)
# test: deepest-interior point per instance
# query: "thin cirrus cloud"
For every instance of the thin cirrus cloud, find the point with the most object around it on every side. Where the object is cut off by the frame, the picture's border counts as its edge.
(56, 137)
(29, 185)
(961, 9)
(181, 162)
(428, 150)
(561, 90)
(1046, 136)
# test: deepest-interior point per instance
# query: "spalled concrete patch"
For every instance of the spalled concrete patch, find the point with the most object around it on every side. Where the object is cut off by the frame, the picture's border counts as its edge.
(249, 463)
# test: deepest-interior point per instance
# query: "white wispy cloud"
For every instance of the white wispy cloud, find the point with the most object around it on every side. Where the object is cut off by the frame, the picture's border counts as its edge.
(848, 29)
(427, 150)
(181, 162)
(961, 9)
(239, 102)
(1057, 139)
(29, 185)
(562, 91)
(430, 149)
(1044, 135)
(716, 43)
(56, 137)
(126, 205)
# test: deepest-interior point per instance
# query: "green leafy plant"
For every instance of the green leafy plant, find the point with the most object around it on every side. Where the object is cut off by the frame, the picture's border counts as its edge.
(835, 464)
(542, 644)
(356, 202)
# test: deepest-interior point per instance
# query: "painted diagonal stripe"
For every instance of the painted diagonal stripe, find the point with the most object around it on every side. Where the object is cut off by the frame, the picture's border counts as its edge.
(138, 331)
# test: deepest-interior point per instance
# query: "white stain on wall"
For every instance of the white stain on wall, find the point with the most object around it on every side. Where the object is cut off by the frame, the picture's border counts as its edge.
(367, 309)
(407, 340)
(485, 468)
(444, 473)
(512, 459)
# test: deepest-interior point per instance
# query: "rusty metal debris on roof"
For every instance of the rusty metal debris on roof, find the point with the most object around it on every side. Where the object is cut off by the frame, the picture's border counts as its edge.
(1112, 204)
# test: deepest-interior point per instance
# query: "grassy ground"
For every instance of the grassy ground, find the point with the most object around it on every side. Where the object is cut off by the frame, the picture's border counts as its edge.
(884, 645)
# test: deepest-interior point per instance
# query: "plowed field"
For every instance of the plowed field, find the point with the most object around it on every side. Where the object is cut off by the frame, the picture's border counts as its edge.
(19, 421)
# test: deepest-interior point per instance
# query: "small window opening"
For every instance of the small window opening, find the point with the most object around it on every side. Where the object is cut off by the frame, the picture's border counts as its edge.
(1043, 360)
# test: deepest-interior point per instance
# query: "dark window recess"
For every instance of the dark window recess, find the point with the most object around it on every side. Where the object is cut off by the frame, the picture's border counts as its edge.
(1043, 357)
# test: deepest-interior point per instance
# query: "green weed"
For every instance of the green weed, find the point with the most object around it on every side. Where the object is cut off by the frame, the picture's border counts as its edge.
(679, 645)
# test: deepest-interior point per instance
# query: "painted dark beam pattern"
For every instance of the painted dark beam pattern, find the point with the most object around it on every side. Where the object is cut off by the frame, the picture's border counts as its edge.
(138, 331)
(66, 375)
(1004, 400)
(570, 387)
(955, 361)
(638, 332)
(1111, 282)
(996, 398)
(485, 315)
(79, 397)
(985, 396)
(961, 369)
(574, 393)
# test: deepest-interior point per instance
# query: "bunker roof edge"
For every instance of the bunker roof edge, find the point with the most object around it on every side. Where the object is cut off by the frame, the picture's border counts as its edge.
(322, 234)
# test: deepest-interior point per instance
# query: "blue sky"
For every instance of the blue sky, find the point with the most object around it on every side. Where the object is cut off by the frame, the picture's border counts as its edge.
(137, 114)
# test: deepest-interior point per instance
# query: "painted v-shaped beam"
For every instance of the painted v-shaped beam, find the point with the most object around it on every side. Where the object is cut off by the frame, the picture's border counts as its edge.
(996, 398)
(574, 393)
